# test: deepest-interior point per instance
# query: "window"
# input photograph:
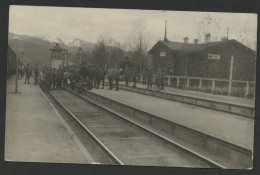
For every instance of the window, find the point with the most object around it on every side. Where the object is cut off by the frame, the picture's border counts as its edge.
(162, 54)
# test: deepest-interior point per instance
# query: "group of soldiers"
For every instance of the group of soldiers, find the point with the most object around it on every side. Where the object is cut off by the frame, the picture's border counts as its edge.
(89, 76)
(53, 78)
(29, 72)
(156, 79)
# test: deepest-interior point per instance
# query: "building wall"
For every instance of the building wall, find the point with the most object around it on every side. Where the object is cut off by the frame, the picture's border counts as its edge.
(162, 61)
(198, 65)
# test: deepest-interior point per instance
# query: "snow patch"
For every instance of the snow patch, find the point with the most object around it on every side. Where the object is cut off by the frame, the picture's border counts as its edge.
(16, 37)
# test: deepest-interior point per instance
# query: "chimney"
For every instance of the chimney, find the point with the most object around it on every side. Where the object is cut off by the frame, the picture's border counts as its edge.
(196, 41)
(207, 38)
(186, 40)
(224, 38)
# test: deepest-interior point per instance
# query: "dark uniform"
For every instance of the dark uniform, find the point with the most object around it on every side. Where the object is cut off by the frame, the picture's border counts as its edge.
(110, 76)
(149, 79)
(59, 78)
(96, 77)
(127, 75)
(54, 79)
(116, 76)
(162, 79)
(28, 73)
(157, 79)
(49, 78)
(91, 74)
(134, 77)
(36, 73)
(102, 74)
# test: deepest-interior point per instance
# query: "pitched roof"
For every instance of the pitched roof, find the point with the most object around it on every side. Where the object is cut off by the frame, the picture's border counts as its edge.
(57, 47)
(185, 48)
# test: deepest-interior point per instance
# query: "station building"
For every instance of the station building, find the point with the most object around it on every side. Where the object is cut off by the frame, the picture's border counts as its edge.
(205, 60)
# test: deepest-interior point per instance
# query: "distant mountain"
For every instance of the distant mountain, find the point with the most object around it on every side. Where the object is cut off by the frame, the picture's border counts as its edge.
(76, 43)
(37, 48)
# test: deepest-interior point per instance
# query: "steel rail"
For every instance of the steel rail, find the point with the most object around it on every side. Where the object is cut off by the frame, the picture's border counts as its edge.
(212, 162)
(88, 131)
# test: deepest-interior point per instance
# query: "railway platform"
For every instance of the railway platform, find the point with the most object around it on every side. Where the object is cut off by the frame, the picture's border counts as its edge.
(231, 128)
(202, 95)
(34, 131)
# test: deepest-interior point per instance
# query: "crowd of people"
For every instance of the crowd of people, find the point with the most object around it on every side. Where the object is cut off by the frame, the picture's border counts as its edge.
(28, 71)
(89, 76)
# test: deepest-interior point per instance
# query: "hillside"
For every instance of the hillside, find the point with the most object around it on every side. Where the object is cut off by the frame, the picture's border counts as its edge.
(37, 48)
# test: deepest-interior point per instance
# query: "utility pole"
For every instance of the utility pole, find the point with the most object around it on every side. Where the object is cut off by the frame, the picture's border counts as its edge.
(16, 74)
(230, 75)
(227, 32)
(140, 54)
(16, 71)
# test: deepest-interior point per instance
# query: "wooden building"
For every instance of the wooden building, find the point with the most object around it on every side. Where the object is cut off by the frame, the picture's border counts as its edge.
(205, 60)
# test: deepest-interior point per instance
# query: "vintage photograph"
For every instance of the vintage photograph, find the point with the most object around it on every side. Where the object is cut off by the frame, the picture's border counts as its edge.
(130, 87)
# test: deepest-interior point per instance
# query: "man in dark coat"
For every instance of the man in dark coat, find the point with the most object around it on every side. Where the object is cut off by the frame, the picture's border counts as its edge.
(149, 79)
(36, 73)
(127, 75)
(102, 74)
(116, 76)
(110, 76)
(95, 76)
(162, 73)
(28, 73)
(134, 77)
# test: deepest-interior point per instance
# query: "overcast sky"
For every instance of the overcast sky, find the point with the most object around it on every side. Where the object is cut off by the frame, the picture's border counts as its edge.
(89, 23)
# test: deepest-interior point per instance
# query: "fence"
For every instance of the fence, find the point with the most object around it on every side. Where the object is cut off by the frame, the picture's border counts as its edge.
(210, 85)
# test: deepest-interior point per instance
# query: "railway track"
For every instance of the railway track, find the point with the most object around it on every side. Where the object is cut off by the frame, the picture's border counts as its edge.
(125, 141)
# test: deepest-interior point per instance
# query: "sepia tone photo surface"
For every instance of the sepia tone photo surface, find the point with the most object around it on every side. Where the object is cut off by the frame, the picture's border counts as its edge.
(130, 87)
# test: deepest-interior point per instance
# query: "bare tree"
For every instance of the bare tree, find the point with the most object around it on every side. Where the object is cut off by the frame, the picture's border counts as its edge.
(139, 40)
(211, 25)
(245, 39)
(108, 51)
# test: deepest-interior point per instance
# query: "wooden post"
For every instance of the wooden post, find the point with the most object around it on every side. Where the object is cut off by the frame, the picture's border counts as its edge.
(213, 86)
(230, 75)
(178, 81)
(247, 89)
(16, 74)
(169, 81)
(188, 83)
(200, 84)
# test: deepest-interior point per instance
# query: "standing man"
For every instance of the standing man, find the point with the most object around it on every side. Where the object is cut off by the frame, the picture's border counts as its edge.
(127, 75)
(54, 79)
(49, 75)
(110, 76)
(102, 74)
(116, 76)
(95, 75)
(157, 80)
(22, 71)
(149, 79)
(28, 73)
(65, 78)
(19, 71)
(134, 77)
(162, 78)
(36, 73)
(59, 78)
